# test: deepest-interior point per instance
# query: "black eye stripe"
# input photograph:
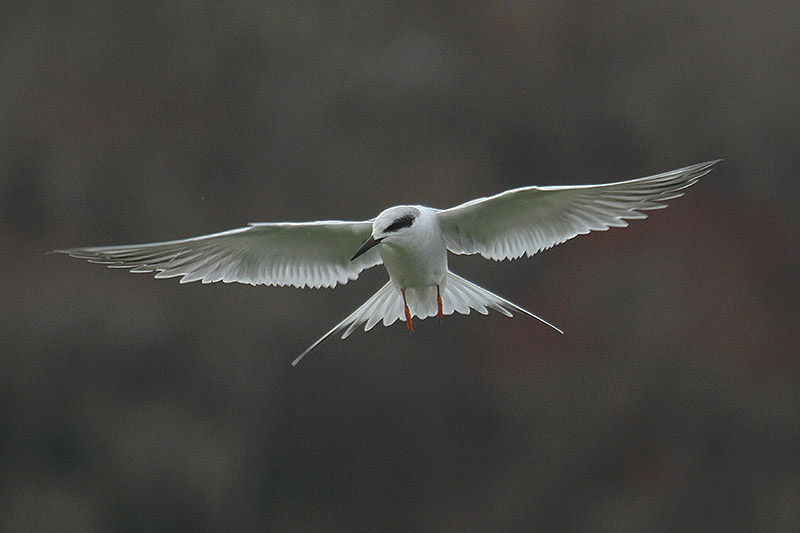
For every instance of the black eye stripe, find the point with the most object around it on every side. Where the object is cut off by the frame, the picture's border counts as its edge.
(402, 222)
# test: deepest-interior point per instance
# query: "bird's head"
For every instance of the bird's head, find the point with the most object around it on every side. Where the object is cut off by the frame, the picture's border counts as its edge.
(395, 223)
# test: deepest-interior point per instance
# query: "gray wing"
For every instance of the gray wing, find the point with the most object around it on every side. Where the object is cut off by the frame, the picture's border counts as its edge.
(300, 254)
(528, 220)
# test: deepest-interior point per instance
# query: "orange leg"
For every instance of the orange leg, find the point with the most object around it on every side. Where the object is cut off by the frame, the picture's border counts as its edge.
(439, 302)
(408, 313)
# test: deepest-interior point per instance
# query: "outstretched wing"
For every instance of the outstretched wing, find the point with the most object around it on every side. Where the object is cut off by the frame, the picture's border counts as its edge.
(531, 219)
(300, 254)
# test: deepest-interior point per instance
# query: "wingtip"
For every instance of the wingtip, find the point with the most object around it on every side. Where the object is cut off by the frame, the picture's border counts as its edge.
(66, 251)
(709, 164)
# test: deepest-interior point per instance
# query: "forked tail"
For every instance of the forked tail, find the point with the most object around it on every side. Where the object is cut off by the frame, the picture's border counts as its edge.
(458, 296)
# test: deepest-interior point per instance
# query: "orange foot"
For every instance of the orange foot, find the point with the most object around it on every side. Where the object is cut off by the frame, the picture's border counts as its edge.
(408, 313)
(439, 302)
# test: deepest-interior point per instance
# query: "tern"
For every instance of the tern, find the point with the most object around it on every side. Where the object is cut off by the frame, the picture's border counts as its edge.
(412, 243)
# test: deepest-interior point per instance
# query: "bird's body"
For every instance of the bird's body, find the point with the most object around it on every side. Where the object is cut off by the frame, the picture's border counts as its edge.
(417, 258)
(411, 241)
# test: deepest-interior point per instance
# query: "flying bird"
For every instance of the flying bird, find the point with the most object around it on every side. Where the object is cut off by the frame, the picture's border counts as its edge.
(411, 241)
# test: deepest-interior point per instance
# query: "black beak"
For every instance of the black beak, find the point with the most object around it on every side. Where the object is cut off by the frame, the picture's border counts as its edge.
(369, 243)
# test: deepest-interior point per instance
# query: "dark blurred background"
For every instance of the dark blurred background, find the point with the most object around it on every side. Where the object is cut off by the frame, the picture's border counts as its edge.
(128, 403)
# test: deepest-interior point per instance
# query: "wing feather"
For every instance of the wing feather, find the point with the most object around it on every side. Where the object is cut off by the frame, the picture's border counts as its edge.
(528, 220)
(300, 254)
